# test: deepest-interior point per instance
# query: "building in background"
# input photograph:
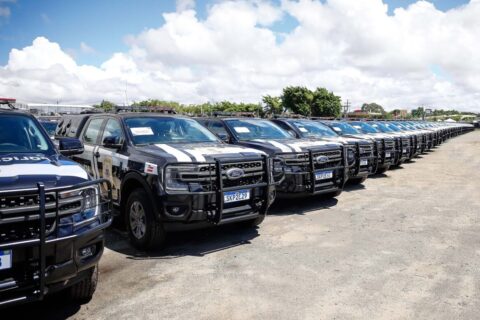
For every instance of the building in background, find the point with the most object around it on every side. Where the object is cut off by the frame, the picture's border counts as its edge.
(52, 109)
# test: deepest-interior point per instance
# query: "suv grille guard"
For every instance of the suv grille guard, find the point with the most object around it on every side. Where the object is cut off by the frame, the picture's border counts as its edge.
(343, 168)
(366, 152)
(38, 276)
(215, 214)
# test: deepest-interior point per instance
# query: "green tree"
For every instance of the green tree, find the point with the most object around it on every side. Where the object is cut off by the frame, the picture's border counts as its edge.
(105, 105)
(418, 113)
(325, 104)
(373, 107)
(298, 100)
(273, 105)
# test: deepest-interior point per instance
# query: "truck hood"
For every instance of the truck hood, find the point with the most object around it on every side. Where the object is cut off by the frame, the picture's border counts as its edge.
(20, 171)
(199, 152)
(289, 145)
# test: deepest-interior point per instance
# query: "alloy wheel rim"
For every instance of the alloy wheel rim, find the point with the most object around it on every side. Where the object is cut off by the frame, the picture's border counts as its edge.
(138, 223)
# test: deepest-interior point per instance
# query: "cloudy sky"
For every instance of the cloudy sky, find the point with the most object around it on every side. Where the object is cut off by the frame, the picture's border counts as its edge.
(399, 53)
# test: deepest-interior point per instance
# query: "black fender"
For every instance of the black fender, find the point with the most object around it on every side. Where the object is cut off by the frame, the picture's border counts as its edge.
(133, 180)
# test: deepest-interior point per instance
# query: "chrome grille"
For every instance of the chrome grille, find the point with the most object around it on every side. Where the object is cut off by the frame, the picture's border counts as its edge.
(335, 159)
(206, 175)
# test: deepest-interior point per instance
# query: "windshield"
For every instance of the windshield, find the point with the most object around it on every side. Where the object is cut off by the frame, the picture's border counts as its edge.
(152, 130)
(343, 128)
(309, 129)
(364, 127)
(250, 129)
(20, 134)
(50, 127)
(382, 127)
(394, 126)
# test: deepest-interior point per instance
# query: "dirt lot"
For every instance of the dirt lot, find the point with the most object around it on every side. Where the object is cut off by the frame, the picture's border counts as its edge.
(403, 245)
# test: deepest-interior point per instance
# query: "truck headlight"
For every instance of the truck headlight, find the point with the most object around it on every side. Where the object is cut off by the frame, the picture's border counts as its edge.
(350, 156)
(173, 177)
(80, 206)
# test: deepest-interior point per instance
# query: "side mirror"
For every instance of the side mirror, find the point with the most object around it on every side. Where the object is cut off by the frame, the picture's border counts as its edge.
(224, 137)
(292, 133)
(70, 146)
(112, 142)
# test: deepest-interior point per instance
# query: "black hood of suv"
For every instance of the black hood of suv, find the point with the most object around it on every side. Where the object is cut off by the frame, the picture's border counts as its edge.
(20, 171)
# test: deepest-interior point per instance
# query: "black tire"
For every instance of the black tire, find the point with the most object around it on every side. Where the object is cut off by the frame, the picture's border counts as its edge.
(381, 170)
(357, 180)
(332, 194)
(149, 235)
(254, 222)
(83, 291)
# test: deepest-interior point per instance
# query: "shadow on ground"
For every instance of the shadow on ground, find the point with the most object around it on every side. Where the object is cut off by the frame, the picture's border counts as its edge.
(53, 307)
(301, 205)
(196, 243)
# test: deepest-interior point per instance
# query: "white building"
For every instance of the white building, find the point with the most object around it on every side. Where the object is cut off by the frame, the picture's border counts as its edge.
(53, 108)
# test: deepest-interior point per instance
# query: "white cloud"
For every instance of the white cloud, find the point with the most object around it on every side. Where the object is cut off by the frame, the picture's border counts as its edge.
(85, 48)
(183, 5)
(351, 47)
(4, 12)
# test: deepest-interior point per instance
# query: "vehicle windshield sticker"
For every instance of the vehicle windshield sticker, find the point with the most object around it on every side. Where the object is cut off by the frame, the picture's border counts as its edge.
(358, 127)
(242, 129)
(337, 129)
(374, 125)
(142, 131)
(303, 129)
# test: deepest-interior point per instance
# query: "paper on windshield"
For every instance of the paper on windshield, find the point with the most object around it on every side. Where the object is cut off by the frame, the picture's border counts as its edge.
(337, 129)
(142, 131)
(303, 129)
(241, 129)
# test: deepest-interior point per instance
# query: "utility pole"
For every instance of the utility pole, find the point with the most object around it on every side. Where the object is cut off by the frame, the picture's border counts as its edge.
(346, 108)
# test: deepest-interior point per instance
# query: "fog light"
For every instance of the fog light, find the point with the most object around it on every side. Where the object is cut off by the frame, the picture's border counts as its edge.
(87, 251)
(176, 210)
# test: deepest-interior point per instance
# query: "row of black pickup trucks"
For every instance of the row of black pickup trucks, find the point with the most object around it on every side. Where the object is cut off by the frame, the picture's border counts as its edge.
(157, 173)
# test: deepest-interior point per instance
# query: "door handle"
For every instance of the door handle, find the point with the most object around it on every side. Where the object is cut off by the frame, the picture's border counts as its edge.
(97, 154)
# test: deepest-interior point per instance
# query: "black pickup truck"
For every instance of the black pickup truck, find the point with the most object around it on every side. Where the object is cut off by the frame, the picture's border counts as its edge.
(384, 145)
(168, 173)
(52, 215)
(309, 167)
(360, 166)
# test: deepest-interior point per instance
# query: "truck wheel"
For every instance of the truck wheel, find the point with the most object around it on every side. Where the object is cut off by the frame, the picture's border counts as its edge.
(332, 194)
(357, 180)
(144, 230)
(83, 290)
(254, 222)
(381, 170)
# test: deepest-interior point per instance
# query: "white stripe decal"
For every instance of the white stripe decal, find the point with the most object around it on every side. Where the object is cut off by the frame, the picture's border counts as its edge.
(14, 170)
(197, 154)
(295, 147)
(280, 146)
(181, 157)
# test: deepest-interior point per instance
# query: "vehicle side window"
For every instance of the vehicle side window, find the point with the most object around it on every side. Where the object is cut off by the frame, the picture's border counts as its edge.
(218, 128)
(113, 129)
(93, 130)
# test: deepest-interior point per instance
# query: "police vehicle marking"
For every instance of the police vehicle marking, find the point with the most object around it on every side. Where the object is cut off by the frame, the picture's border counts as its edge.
(181, 157)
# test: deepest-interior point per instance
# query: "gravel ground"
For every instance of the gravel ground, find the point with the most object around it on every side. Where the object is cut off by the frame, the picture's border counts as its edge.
(404, 245)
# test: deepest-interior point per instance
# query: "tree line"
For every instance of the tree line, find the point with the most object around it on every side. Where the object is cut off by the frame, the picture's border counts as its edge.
(294, 99)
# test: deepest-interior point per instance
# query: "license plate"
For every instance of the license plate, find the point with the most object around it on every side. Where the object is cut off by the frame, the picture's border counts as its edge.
(363, 162)
(388, 154)
(5, 259)
(322, 175)
(235, 196)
